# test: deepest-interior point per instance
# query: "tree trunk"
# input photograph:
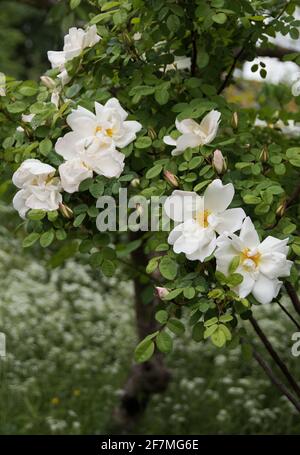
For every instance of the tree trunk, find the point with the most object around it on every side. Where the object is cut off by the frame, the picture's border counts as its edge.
(147, 378)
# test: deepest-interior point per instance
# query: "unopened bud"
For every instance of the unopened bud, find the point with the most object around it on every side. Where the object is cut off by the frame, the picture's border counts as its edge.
(235, 120)
(161, 292)
(135, 182)
(171, 178)
(48, 82)
(219, 162)
(264, 154)
(281, 209)
(66, 211)
(152, 133)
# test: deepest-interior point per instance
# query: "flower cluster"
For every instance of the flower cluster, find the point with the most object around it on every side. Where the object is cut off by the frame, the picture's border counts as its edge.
(74, 43)
(91, 145)
(40, 189)
(201, 219)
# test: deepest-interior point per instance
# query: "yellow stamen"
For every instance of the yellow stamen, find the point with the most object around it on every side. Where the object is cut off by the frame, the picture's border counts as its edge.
(98, 129)
(246, 254)
(201, 218)
(109, 132)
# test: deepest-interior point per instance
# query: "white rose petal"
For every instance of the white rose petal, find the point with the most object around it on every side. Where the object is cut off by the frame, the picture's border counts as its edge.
(202, 218)
(194, 134)
(261, 264)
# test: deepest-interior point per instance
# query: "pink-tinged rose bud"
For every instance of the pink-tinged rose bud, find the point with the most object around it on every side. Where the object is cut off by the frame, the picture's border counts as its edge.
(235, 120)
(161, 292)
(171, 178)
(48, 82)
(66, 211)
(219, 162)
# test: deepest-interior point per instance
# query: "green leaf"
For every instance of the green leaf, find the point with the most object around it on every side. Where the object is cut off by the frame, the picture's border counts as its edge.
(30, 239)
(109, 5)
(198, 332)
(152, 265)
(234, 264)
(218, 338)
(168, 268)
(219, 18)
(173, 23)
(211, 321)
(189, 293)
(234, 279)
(161, 316)
(45, 146)
(74, 3)
(154, 171)
(251, 199)
(164, 342)
(28, 88)
(175, 326)
(173, 294)
(144, 351)
(226, 317)
(96, 189)
(79, 219)
(201, 185)
(36, 215)
(162, 96)
(108, 267)
(143, 143)
(47, 238)
(85, 184)
(210, 330)
(226, 331)
(16, 107)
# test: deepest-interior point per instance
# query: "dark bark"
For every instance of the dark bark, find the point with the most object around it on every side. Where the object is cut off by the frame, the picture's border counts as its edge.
(147, 378)
(293, 296)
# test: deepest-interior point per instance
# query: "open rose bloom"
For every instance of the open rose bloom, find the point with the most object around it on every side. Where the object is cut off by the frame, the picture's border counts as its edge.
(194, 134)
(40, 189)
(260, 263)
(201, 219)
(91, 145)
(74, 43)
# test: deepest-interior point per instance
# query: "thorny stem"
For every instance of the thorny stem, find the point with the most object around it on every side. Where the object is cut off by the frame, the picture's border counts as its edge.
(267, 369)
(279, 362)
(289, 315)
(293, 295)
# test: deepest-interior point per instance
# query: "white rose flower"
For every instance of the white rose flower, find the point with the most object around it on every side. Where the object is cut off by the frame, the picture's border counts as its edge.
(260, 263)
(72, 173)
(32, 172)
(98, 156)
(39, 188)
(194, 134)
(74, 43)
(201, 218)
(108, 124)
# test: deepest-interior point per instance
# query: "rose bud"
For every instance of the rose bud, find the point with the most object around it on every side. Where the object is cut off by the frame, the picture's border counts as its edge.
(171, 178)
(161, 292)
(48, 82)
(235, 120)
(66, 211)
(219, 162)
(264, 154)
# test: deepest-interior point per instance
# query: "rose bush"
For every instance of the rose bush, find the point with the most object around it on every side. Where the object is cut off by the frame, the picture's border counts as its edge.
(124, 66)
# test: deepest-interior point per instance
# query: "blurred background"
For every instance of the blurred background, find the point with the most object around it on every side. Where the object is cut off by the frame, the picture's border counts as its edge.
(71, 333)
